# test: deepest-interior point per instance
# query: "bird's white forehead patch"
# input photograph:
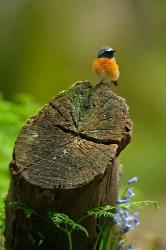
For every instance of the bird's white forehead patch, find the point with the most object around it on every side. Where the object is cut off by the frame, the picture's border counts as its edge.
(109, 49)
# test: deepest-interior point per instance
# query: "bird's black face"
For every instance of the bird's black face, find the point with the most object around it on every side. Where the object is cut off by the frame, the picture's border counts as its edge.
(106, 52)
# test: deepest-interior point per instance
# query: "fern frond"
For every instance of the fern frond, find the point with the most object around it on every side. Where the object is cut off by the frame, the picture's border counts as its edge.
(105, 211)
(140, 204)
(60, 219)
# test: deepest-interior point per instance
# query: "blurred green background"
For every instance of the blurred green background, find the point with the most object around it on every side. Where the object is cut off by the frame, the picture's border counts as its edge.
(45, 46)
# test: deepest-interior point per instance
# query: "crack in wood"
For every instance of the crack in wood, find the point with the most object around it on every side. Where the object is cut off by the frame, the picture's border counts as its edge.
(86, 137)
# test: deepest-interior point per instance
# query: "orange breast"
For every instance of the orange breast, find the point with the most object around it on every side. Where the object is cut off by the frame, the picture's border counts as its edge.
(106, 68)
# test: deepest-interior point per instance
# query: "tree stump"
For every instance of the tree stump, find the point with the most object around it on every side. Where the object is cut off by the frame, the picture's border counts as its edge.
(66, 159)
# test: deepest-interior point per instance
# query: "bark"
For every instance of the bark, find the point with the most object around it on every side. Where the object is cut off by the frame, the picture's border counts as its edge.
(66, 159)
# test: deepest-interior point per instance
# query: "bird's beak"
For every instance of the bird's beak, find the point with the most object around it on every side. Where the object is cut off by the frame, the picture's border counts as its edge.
(114, 50)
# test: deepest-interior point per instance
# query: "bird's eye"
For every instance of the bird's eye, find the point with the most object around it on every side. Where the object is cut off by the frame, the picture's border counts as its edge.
(109, 53)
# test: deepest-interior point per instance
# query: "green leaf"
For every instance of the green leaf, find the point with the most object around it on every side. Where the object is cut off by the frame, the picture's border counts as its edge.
(2, 217)
(105, 211)
(140, 204)
(12, 117)
(60, 219)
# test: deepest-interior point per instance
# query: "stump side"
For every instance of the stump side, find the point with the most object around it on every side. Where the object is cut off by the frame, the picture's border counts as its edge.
(74, 203)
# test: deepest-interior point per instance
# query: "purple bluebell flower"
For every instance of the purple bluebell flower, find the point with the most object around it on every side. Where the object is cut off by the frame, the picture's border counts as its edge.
(136, 219)
(120, 212)
(126, 197)
(116, 221)
(127, 217)
(132, 180)
(126, 228)
(118, 217)
(123, 200)
(130, 192)
(125, 221)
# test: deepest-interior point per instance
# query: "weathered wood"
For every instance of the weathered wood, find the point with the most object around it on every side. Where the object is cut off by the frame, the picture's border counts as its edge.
(65, 159)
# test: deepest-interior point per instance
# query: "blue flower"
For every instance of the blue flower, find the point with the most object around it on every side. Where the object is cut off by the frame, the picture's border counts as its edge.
(126, 228)
(123, 201)
(116, 221)
(127, 217)
(136, 219)
(131, 193)
(125, 221)
(132, 180)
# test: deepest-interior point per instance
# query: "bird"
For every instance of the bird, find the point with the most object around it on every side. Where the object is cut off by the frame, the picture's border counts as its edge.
(105, 65)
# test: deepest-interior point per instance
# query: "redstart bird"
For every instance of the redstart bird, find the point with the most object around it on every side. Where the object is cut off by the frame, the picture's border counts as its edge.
(105, 65)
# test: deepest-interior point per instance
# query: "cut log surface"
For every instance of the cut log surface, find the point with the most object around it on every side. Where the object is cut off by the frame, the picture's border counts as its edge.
(66, 159)
(72, 139)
